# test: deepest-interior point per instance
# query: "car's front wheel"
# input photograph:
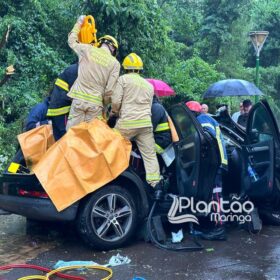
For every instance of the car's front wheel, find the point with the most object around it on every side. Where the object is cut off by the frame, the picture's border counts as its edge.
(108, 219)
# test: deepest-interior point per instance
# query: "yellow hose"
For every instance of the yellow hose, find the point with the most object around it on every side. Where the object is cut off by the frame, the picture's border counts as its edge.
(33, 277)
(98, 267)
(49, 274)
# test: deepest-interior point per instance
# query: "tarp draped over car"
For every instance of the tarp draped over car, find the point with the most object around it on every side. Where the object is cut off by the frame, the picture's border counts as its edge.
(34, 144)
(89, 156)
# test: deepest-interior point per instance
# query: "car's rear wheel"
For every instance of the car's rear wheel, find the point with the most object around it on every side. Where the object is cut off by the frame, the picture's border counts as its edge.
(108, 219)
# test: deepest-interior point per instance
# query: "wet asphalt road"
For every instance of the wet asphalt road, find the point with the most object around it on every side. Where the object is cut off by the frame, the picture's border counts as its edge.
(243, 256)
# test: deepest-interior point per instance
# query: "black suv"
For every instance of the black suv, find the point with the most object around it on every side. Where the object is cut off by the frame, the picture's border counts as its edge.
(109, 217)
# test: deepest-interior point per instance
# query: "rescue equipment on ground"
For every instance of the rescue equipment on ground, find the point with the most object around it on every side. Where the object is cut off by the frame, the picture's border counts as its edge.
(97, 267)
(156, 220)
(40, 268)
(88, 31)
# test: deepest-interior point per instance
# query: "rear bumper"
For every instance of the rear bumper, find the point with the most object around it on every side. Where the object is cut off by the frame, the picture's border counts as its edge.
(37, 209)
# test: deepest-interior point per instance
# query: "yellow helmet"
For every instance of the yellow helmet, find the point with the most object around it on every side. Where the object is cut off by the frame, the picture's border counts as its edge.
(132, 62)
(107, 39)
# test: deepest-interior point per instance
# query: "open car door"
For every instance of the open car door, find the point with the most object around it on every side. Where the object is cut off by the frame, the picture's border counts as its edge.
(262, 140)
(197, 156)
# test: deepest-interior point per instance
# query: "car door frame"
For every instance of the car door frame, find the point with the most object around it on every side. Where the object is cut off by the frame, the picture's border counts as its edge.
(208, 159)
(263, 187)
(276, 135)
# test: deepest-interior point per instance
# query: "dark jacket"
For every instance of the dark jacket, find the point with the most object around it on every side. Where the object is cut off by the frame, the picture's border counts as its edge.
(38, 114)
(60, 103)
(243, 119)
(212, 126)
(161, 127)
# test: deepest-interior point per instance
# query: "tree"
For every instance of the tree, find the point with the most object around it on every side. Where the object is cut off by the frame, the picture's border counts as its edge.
(192, 77)
(10, 69)
(266, 16)
(224, 32)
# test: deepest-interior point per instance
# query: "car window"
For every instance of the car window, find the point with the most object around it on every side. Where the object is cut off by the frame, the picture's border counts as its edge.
(184, 124)
(261, 127)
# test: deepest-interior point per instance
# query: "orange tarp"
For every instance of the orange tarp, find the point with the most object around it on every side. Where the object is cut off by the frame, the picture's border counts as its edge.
(89, 156)
(34, 144)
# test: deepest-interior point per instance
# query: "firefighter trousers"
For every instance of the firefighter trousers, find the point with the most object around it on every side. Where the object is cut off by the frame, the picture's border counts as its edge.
(216, 197)
(82, 111)
(145, 141)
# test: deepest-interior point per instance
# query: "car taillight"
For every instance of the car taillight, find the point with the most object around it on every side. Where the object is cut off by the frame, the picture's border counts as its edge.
(37, 194)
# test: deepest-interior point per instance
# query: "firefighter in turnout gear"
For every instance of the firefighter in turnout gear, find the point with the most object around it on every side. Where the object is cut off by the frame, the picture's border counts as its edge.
(97, 76)
(60, 103)
(212, 126)
(132, 102)
(161, 127)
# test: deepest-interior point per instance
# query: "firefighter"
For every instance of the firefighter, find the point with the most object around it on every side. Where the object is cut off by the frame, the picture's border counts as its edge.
(132, 102)
(37, 115)
(97, 76)
(161, 127)
(60, 103)
(212, 126)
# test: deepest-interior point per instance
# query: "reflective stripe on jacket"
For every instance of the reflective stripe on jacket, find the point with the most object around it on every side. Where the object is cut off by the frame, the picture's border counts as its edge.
(132, 99)
(162, 127)
(59, 111)
(62, 84)
(98, 71)
(162, 132)
(59, 101)
(213, 128)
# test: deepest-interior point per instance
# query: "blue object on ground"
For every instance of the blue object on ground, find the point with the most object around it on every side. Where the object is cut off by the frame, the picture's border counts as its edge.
(70, 263)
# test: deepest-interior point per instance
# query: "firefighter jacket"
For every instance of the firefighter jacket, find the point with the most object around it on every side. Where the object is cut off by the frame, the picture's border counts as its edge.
(162, 132)
(37, 115)
(60, 103)
(132, 100)
(98, 71)
(212, 126)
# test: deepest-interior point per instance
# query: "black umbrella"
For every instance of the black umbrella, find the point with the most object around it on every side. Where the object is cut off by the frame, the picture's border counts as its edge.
(231, 87)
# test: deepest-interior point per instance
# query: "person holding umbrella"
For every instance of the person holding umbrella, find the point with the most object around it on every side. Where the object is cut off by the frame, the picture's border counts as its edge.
(242, 119)
(236, 115)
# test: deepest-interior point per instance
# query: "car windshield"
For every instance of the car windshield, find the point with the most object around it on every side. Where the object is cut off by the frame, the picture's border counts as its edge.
(275, 108)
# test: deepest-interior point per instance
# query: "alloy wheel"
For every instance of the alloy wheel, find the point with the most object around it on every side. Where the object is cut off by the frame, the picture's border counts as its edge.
(111, 217)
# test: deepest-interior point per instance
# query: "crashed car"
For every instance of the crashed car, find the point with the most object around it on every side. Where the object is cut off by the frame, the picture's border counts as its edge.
(109, 217)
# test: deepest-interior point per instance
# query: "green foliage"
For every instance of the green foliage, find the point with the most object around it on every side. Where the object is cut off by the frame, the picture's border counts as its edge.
(139, 26)
(266, 16)
(191, 78)
(189, 44)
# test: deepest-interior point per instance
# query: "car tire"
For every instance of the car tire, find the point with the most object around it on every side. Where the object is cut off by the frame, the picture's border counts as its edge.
(108, 218)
